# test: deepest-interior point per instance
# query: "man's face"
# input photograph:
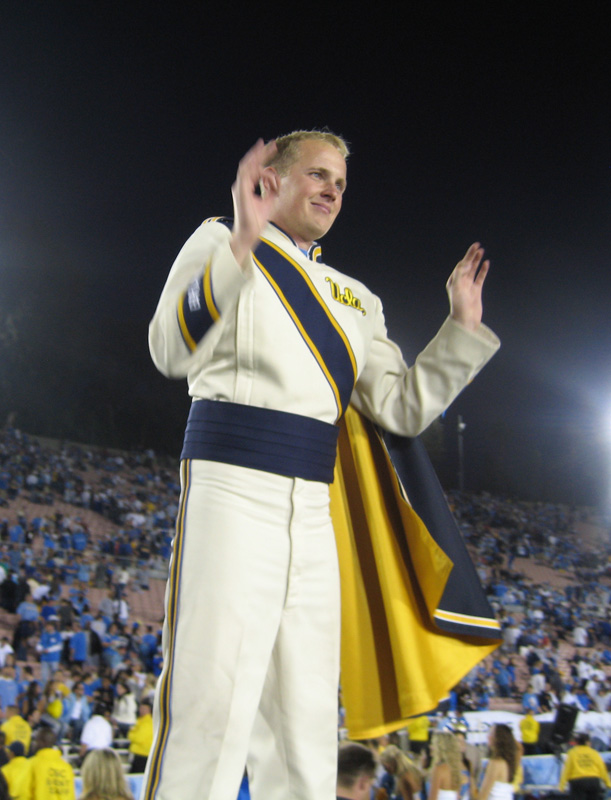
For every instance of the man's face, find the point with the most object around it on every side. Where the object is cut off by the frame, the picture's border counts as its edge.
(310, 194)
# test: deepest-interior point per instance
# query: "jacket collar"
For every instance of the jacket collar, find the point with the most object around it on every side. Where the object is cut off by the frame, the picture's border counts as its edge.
(313, 254)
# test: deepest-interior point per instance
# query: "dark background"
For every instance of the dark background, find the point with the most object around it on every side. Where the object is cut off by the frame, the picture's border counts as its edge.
(120, 130)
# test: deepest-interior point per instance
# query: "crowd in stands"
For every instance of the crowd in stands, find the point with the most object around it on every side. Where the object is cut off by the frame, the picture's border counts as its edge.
(82, 530)
(557, 638)
(73, 662)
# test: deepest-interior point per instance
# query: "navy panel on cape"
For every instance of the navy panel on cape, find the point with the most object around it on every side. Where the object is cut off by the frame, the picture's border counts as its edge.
(416, 473)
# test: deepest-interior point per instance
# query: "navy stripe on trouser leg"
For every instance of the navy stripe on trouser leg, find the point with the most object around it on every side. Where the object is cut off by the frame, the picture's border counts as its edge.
(293, 752)
(161, 707)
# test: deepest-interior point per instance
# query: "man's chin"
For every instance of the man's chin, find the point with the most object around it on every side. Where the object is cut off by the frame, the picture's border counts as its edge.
(319, 231)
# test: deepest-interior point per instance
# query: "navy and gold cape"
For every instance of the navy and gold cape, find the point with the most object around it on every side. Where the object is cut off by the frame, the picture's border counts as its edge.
(415, 618)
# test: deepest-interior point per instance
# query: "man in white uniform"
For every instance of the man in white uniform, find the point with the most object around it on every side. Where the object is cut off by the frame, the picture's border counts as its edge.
(275, 345)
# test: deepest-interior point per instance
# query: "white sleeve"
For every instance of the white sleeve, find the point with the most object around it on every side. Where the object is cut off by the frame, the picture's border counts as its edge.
(86, 737)
(203, 284)
(405, 400)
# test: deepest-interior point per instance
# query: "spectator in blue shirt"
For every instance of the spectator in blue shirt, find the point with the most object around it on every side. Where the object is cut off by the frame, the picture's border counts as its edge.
(16, 534)
(503, 681)
(83, 574)
(76, 712)
(584, 701)
(27, 677)
(50, 648)
(48, 610)
(79, 540)
(530, 700)
(9, 688)
(91, 683)
(111, 642)
(78, 644)
(148, 648)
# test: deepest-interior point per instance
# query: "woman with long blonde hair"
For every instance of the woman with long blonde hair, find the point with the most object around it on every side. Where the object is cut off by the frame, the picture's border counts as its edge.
(103, 777)
(446, 773)
(408, 780)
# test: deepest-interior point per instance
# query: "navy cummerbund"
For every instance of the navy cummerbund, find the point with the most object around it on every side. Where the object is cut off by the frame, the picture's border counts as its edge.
(261, 438)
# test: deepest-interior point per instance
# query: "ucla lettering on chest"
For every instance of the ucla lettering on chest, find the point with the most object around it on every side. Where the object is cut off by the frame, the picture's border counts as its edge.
(346, 298)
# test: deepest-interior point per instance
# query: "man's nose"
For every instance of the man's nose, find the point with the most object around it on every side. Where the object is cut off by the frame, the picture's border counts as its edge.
(330, 190)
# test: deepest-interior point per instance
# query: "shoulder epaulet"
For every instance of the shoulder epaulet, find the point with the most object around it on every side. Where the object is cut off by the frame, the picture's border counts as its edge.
(227, 221)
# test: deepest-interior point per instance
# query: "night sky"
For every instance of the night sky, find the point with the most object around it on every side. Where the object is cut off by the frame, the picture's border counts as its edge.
(120, 131)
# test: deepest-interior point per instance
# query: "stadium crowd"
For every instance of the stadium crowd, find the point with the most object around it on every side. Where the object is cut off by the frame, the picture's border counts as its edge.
(557, 638)
(83, 532)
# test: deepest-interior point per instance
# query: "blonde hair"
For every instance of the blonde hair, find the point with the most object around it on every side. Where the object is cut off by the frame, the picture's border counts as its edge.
(401, 763)
(288, 148)
(103, 777)
(445, 749)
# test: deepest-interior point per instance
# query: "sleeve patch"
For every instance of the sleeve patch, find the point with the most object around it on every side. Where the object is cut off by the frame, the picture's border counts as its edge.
(197, 310)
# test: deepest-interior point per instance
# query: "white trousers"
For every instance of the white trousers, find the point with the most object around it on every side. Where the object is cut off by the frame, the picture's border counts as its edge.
(251, 641)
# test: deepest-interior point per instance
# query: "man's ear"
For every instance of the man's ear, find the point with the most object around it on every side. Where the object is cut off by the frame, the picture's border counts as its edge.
(270, 181)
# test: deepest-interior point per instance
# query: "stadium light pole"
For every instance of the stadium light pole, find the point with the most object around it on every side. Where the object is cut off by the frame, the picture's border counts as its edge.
(460, 428)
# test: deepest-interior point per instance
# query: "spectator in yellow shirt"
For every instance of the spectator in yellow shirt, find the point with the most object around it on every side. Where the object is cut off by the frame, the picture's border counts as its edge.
(530, 727)
(16, 729)
(141, 737)
(583, 770)
(18, 772)
(418, 731)
(52, 776)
